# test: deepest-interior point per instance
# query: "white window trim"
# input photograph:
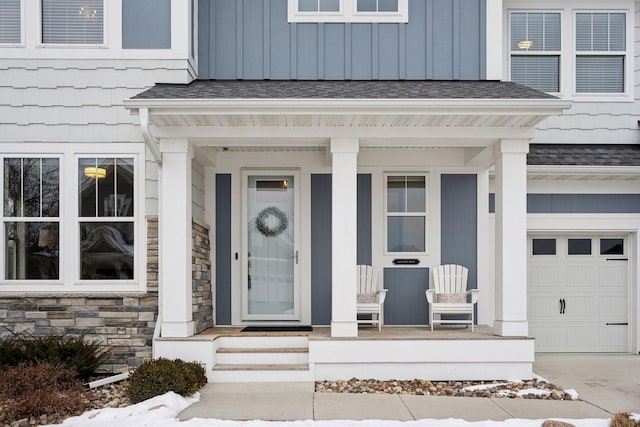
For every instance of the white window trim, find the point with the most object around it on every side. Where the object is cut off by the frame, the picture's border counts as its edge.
(427, 225)
(629, 59)
(22, 29)
(348, 13)
(568, 55)
(105, 26)
(6, 219)
(69, 220)
(560, 53)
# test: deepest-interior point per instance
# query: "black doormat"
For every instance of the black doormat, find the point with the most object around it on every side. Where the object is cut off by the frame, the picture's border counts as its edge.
(277, 329)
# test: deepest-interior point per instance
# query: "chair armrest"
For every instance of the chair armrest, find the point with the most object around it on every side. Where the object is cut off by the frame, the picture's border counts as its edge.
(474, 295)
(382, 295)
(430, 295)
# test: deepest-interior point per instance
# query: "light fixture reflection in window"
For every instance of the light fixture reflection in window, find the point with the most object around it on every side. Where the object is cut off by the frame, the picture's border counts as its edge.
(525, 44)
(88, 13)
(91, 172)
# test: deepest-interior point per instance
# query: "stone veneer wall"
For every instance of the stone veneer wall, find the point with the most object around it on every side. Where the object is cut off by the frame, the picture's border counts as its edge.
(123, 322)
(202, 296)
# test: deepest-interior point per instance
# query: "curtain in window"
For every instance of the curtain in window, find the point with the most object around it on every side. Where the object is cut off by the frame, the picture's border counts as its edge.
(72, 21)
(10, 21)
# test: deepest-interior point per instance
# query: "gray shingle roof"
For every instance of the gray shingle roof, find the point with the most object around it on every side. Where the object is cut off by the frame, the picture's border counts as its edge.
(584, 155)
(351, 89)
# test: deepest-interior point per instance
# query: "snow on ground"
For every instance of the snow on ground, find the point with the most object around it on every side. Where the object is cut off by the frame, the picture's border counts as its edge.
(161, 411)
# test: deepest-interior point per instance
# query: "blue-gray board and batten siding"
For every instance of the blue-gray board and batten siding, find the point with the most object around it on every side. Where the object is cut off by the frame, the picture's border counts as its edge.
(578, 203)
(252, 40)
(406, 302)
(146, 24)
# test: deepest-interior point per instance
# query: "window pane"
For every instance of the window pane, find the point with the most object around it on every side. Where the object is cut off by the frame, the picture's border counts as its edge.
(124, 195)
(31, 187)
(10, 21)
(396, 194)
(611, 247)
(367, 6)
(387, 5)
(13, 187)
(601, 32)
(307, 5)
(600, 74)
(72, 21)
(329, 5)
(88, 175)
(106, 250)
(31, 250)
(541, 30)
(106, 188)
(583, 32)
(579, 246)
(544, 246)
(50, 187)
(405, 234)
(617, 32)
(416, 195)
(538, 72)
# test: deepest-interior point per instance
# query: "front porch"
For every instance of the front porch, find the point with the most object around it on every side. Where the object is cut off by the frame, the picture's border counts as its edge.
(447, 353)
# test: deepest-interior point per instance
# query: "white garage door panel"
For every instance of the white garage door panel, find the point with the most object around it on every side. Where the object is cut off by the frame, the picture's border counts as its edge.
(543, 276)
(594, 289)
(541, 307)
(613, 308)
(580, 276)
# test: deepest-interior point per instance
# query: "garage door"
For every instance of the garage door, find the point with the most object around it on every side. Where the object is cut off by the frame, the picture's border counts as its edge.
(577, 288)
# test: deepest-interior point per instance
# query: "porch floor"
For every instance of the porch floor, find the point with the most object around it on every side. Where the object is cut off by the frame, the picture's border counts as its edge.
(323, 333)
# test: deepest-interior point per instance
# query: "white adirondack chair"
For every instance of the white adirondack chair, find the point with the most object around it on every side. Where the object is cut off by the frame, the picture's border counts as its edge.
(370, 298)
(449, 294)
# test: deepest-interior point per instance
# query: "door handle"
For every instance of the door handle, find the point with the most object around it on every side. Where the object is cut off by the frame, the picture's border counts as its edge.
(564, 306)
(296, 257)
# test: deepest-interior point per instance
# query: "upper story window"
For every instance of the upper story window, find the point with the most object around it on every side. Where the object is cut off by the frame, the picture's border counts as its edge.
(535, 49)
(348, 11)
(73, 22)
(318, 6)
(406, 213)
(600, 52)
(377, 5)
(10, 22)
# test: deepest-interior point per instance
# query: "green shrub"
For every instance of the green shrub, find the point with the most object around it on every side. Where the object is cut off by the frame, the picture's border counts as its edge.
(83, 355)
(31, 389)
(159, 376)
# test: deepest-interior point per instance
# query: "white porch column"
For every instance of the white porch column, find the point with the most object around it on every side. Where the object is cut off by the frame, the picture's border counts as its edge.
(344, 239)
(511, 238)
(175, 238)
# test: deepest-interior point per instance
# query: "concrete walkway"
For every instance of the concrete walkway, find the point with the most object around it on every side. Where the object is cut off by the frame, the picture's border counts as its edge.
(605, 383)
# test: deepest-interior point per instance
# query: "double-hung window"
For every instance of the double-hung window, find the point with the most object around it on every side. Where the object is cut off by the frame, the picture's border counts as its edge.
(600, 52)
(106, 218)
(406, 213)
(535, 49)
(348, 11)
(78, 22)
(10, 22)
(31, 218)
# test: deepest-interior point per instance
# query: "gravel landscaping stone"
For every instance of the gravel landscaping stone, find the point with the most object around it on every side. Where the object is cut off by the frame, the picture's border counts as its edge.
(530, 389)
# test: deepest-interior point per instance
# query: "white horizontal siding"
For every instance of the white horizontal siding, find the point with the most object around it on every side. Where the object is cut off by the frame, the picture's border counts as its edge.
(592, 123)
(51, 100)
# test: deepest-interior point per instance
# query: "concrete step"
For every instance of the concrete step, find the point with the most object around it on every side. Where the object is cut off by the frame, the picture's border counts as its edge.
(260, 375)
(251, 356)
(264, 341)
(262, 367)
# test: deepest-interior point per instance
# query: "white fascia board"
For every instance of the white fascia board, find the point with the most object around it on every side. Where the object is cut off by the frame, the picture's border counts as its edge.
(604, 171)
(310, 106)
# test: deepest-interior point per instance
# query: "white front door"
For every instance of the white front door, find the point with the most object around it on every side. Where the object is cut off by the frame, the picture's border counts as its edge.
(270, 234)
(578, 293)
